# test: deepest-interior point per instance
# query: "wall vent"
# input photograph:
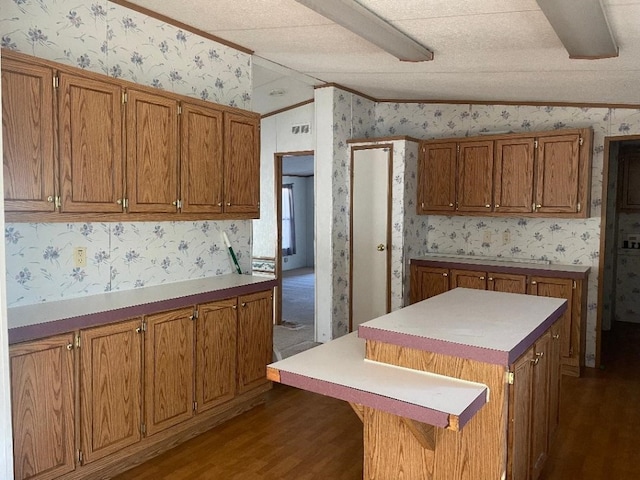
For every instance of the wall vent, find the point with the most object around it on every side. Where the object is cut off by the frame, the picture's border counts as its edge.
(301, 129)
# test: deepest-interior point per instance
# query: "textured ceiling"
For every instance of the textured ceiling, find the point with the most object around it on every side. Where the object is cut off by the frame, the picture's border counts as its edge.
(489, 50)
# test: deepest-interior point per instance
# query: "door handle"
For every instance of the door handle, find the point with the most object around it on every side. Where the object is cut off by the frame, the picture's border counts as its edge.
(381, 247)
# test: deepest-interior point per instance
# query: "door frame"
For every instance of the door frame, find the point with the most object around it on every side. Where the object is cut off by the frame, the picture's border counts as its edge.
(277, 181)
(381, 146)
(606, 164)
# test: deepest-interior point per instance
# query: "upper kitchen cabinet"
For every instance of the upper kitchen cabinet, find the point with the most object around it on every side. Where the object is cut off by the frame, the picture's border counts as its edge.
(91, 159)
(152, 153)
(630, 180)
(201, 160)
(241, 164)
(80, 146)
(437, 177)
(545, 174)
(563, 172)
(475, 176)
(513, 175)
(28, 137)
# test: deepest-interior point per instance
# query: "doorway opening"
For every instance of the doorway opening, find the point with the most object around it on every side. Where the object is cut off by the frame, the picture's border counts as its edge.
(295, 328)
(618, 286)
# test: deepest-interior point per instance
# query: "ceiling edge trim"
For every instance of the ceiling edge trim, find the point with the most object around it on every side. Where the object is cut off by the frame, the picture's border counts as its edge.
(183, 26)
(347, 89)
(285, 109)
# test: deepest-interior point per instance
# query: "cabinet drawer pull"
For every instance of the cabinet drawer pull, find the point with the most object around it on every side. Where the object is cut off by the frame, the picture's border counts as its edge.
(535, 361)
(540, 354)
(556, 336)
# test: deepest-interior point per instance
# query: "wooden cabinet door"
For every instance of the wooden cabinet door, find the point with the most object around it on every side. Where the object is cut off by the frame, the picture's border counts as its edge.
(519, 429)
(42, 401)
(557, 288)
(540, 405)
(505, 282)
(216, 353)
(557, 174)
(475, 177)
(427, 282)
(111, 384)
(630, 181)
(241, 164)
(255, 339)
(201, 166)
(27, 133)
(468, 279)
(168, 364)
(513, 176)
(152, 153)
(554, 379)
(437, 177)
(91, 156)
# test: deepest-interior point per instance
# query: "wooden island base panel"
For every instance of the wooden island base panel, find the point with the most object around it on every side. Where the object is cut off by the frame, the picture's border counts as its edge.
(464, 385)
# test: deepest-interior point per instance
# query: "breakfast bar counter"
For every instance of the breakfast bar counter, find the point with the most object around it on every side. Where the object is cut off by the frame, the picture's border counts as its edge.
(447, 387)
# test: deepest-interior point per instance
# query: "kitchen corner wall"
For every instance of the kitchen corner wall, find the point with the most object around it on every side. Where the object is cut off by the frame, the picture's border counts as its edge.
(103, 37)
(562, 241)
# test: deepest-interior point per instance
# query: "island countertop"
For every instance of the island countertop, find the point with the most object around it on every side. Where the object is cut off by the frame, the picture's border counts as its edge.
(481, 325)
(30, 322)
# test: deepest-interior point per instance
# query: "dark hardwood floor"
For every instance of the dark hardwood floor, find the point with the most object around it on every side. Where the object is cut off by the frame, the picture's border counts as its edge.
(303, 436)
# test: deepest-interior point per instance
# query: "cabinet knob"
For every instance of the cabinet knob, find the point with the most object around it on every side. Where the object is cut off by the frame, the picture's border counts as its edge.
(119, 201)
(228, 204)
(491, 279)
(219, 204)
(139, 330)
(174, 203)
(488, 205)
(481, 278)
(533, 282)
(70, 346)
(451, 205)
(244, 304)
(497, 206)
(380, 247)
(535, 361)
(556, 336)
(445, 274)
(50, 199)
(540, 354)
(538, 205)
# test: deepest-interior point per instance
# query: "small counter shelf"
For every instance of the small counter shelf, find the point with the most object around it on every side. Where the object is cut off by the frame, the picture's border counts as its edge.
(446, 387)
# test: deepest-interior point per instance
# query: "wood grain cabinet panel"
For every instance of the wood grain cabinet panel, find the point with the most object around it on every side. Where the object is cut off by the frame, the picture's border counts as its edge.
(91, 157)
(241, 164)
(110, 393)
(519, 431)
(28, 134)
(255, 339)
(468, 279)
(169, 372)
(557, 174)
(513, 175)
(554, 379)
(427, 282)
(507, 283)
(201, 159)
(43, 408)
(630, 181)
(216, 339)
(152, 153)
(437, 177)
(540, 405)
(475, 177)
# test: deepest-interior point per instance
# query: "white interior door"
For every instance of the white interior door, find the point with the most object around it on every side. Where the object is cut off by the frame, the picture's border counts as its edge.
(369, 234)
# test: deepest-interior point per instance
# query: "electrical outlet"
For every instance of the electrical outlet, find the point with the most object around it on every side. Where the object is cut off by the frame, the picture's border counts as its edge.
(80, 256)
(506, 237)
(486, 238)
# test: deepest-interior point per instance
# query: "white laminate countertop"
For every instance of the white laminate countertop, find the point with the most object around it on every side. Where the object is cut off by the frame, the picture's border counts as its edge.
(112, 305)
(521, 264)
(338, 369)
(482, 325)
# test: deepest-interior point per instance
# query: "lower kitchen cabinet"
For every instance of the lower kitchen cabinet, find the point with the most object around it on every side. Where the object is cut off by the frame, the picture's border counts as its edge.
(427, 282)
(468, 279)
(507, 283)
(110, 388)
(530, 404)
(217, 334)
(169, 369)
(145, 384)
(255, 339)
(43, 407)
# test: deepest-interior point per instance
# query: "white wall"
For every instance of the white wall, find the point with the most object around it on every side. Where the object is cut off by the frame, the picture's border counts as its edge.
(303, 215)
(276, 137)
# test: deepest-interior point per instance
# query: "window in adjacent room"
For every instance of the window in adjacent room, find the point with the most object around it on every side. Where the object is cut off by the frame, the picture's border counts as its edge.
(288, 224)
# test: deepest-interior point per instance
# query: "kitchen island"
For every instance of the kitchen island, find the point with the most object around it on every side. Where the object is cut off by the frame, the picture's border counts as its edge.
(464, 385)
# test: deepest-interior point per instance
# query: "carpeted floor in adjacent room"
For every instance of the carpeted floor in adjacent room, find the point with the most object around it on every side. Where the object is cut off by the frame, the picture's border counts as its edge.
(296, 333)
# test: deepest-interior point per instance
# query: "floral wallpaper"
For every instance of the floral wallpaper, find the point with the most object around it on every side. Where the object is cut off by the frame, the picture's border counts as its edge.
(120, 256)
(106, 38)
